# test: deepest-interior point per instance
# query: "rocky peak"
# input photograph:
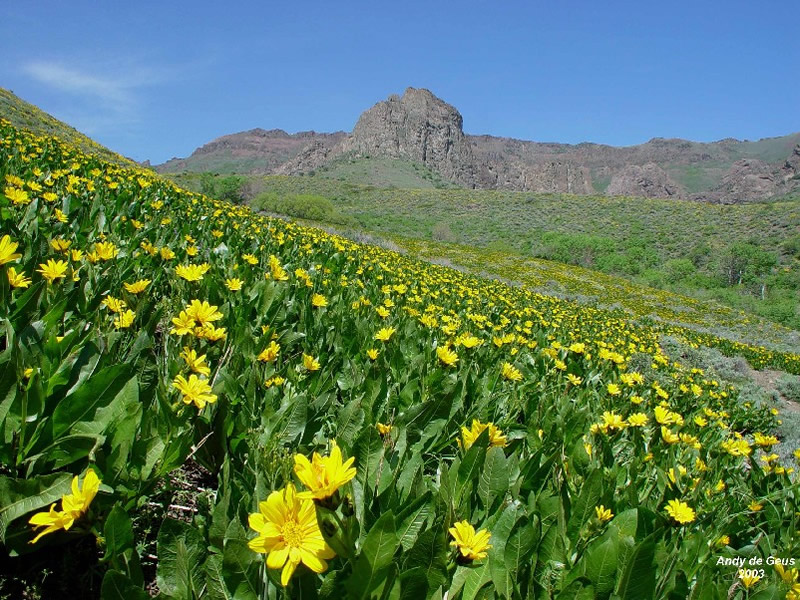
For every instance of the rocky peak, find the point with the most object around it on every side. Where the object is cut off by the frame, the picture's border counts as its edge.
(416, 126)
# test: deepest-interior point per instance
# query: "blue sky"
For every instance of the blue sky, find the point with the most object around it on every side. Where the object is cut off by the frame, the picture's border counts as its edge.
(157, 79)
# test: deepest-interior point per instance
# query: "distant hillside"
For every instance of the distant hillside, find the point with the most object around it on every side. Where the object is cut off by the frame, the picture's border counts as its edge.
(26, 115)
(254, 151)
(693, 248)
(420, 128)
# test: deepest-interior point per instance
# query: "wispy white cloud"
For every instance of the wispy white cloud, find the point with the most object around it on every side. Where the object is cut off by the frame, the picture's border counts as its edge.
(100, 97)
(112, 90)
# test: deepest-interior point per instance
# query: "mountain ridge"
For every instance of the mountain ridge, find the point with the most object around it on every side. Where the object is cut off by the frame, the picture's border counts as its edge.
(420, 127)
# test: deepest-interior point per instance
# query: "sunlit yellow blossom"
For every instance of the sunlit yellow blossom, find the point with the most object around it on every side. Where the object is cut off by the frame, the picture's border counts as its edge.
(105, 250)
(194, 390)
(680, 511)
(210, 333)
(276, 270)
(787, 575)
(612, 422)
(382, 312)
(137, 287)
(323, 475)
(183, 324)
(125, 319)
(603, 514)
(249, 258)
(669, 436)
(764, 441)
(510, 372)
(310, 363)
(270, 353)
(468, 436)
(447, 356)
(288, 533)
(7, 250)
(73, 506)
(17, 196)
(234, 284)
(737, 447)
(755, 506)
(471, 544)
(385, 334)
(60, 245)
(196, 363)
(613, 389)
(17, 280)
(383, 429)
(192, 272)
(574, 379)
(319, 301)
(203, 312)
(470, 341)
(637, 420)
(723, 540)
(76, 255)
(167, 253)
(53, 270)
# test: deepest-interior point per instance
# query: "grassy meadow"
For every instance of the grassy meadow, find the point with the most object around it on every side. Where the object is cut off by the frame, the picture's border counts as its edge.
(200, 401)
(745, 256)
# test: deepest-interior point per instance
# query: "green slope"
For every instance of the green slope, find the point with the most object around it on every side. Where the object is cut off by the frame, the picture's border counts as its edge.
(24, 114)
(677, 245)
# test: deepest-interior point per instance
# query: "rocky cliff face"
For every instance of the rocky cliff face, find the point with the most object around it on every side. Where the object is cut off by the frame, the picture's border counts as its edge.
(791, 168)
(420, 127)
(748, 179)
(649, 181)
(417, 126)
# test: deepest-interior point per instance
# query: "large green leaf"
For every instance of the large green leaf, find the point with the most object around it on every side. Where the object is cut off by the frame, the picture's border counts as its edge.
(429, 553)
(118, 586)
(583, 508)
(411, 519)
(181, 551)
(375, 556)
(21, 496)
(638, 580)
(85, 406)
(601, 565)
(493, 483)
(240, 563)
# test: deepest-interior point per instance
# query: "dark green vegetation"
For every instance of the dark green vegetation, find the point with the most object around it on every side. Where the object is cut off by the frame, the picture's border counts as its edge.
(745, 256)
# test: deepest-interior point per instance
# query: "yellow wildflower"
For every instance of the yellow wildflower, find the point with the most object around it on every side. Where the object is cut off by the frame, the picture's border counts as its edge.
(471, 544)
(53, 270)
(323, 475)
(194, 390)
(288, 533)
(17, 280)
(137, 287)
(680, 511)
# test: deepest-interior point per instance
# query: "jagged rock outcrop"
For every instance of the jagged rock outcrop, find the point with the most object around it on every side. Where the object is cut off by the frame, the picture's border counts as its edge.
(416, 126)
(548, 176)
(791, 168)
(748, 179)
(648, 180)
